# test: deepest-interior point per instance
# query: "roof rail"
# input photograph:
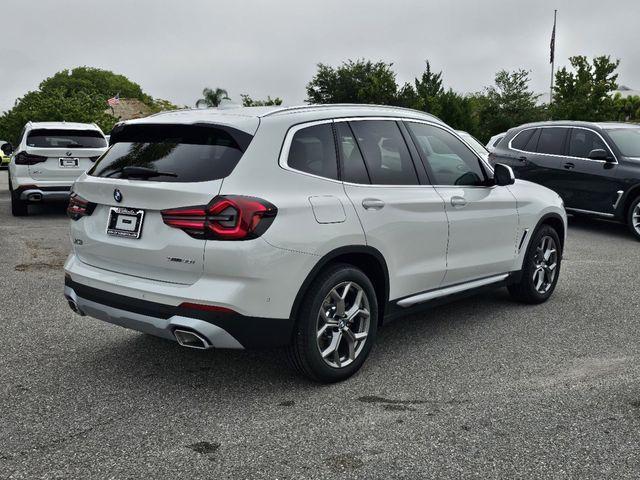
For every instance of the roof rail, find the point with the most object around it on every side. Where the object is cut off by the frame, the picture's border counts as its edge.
(342, 105)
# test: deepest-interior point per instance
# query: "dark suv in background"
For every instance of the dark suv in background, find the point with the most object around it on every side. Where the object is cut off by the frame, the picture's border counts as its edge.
(594, 167)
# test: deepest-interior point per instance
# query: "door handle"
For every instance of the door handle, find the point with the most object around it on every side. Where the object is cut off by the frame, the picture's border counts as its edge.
(522, 159)
(569, 165)
(372, 204)
(458, 202)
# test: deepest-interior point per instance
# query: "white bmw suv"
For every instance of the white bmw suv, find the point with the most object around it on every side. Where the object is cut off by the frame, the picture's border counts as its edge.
(300, 227)
(48, 159)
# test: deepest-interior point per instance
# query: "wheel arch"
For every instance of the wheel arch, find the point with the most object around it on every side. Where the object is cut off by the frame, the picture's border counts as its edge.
(556, 221)
(366, 258)
(627, 200)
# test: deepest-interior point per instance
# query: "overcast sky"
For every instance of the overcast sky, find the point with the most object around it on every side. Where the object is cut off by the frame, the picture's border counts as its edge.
(175, 48)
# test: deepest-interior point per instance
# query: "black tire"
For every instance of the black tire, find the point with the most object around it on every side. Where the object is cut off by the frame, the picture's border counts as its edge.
(632, 221)
(18, 207)
(304, 353)
(525, 289)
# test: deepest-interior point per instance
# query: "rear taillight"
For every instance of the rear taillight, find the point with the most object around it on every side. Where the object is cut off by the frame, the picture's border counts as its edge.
(24, 158)
(79, 207)
(229, 217)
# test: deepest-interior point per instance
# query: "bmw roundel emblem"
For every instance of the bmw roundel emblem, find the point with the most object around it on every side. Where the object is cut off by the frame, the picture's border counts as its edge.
(117, 195)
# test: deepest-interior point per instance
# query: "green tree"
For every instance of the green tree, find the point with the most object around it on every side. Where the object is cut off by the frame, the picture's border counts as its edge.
(585, 92)
(508, 103)
(77, 95)
(54, 105)
(627, 109)
(360, 81)
(212, 97)
(247, 101)
(94, 81)
(429, 91)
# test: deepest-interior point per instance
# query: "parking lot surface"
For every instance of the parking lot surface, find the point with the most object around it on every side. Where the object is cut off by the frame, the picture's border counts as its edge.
(482, 388)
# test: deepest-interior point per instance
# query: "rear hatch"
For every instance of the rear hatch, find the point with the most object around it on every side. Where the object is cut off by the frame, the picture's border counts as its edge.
(147, 169)
(63, 154)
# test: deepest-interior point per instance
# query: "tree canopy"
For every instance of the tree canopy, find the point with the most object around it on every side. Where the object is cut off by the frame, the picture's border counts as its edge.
(78, 95)
(360, 81)
(211, 97)
(247, 101)
(585, 92)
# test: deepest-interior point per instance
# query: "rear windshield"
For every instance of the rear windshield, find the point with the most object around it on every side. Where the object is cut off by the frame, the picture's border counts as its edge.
(50, 138)
(172, 153)
(627, 140)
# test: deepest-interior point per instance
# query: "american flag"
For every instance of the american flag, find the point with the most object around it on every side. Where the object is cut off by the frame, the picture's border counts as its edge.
(113, 101)
(553, 40)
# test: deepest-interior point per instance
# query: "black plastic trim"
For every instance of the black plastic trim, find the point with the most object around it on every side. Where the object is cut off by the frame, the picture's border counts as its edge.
(324, 261)
(251, 332)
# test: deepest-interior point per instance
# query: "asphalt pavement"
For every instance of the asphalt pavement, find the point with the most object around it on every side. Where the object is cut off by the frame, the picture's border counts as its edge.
(483, 388)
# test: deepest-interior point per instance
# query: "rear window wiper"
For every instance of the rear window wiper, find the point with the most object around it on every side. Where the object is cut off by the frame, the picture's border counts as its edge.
(143, 172)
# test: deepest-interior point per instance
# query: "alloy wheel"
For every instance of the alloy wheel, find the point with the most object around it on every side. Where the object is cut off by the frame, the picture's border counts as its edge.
(546, 262)
(635, 218)
(343, 324)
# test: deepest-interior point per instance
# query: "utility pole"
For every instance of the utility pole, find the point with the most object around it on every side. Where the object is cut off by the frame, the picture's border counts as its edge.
(553, 55)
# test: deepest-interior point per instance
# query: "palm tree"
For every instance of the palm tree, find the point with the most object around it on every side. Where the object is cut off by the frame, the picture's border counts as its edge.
(212, 98)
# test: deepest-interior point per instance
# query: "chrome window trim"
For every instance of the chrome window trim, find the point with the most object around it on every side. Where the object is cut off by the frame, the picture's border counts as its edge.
(284, 152)
(565, 156)
(286, 146)
(455, 134)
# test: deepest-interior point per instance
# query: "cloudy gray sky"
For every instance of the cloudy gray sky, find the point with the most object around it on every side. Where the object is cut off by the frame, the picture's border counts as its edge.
(175, 48)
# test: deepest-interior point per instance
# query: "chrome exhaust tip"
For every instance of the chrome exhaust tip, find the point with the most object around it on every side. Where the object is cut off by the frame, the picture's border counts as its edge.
(74, 306)
(187, 338)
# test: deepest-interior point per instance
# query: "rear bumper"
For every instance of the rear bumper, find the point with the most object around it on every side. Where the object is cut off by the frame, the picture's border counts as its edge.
(219, 329)
(43, 194)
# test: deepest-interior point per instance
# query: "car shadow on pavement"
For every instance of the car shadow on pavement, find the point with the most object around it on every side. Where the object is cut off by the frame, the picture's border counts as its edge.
(143, 359)
(47, 210)
(599, 226)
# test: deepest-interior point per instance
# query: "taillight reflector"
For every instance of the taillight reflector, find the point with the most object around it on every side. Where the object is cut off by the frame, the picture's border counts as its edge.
(206, 308)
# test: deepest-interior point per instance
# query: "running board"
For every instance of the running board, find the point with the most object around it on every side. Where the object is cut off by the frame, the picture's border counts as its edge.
(443, 292)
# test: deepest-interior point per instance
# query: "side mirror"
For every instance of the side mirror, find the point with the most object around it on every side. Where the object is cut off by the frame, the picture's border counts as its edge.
(503, 175)
(599, 154)
(7, 148)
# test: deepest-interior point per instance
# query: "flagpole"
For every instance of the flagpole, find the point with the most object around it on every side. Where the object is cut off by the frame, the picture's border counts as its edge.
(553, 55)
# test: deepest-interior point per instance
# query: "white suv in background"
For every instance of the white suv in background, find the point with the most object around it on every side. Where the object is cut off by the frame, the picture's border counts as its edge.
(48, 159)
(299, 227)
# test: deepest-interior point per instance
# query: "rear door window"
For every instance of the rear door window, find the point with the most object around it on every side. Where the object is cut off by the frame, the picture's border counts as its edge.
(385, 152)
(176, 153)
(353, 167)
(552, 141)
(313, 150)
(51, 138)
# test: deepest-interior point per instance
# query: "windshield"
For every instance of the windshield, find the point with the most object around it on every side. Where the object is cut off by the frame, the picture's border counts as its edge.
(474, 144)
(50, 138)
(170, 153)
(627, 140)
